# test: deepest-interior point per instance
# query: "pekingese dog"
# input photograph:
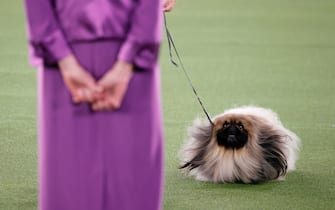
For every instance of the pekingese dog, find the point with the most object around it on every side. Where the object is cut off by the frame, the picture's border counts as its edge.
(246, 145)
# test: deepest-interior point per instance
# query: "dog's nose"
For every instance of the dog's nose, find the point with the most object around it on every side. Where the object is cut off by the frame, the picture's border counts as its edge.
(231, 138)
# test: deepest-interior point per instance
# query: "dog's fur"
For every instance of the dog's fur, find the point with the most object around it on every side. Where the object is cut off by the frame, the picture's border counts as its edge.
(246, 144)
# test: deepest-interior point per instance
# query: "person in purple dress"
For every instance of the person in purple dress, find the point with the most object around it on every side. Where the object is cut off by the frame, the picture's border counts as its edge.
(100, 124)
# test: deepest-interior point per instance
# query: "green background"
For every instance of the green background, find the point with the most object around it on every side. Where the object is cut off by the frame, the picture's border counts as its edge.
(276, 54)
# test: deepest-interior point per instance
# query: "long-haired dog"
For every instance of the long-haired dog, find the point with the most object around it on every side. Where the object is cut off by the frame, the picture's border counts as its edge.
(246, 144)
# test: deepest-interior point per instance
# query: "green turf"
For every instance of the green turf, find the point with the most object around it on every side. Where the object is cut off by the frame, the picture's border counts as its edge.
(277, 54)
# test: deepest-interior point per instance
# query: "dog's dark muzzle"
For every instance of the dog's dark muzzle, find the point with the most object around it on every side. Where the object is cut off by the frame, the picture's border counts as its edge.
(231, 138)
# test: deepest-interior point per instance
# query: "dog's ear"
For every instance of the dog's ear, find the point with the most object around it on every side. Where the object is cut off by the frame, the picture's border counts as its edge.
(201, 130)
(273, 146)
(199, 136)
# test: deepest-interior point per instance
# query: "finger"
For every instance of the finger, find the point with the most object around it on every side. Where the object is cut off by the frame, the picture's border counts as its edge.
(78, 95)
(75, 99)
(98, 88)
(93, 90)
(105, 103)
(88, 95)
(109, 105)
(78, 90)
(96, 106)
(97, 97)
(84, 95)
(100, 105)
(74, 96)
(118, 96)
(168, 6)
(98, 94)
(115, 103)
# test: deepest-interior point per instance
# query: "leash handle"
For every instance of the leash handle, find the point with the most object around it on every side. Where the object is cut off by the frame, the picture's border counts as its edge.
(173, 46)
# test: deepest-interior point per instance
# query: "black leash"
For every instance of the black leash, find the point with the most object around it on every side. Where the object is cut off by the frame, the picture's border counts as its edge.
(172, 46)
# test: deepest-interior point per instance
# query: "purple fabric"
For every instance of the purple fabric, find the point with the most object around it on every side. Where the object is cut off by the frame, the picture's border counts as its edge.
(100, 160)
(53, 25)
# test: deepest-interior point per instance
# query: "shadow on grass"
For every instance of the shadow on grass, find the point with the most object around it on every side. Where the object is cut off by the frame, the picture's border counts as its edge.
(237, 186)
(297, 182)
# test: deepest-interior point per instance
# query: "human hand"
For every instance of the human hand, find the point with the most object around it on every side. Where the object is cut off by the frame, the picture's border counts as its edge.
(79, 82)
(168, 5)
(115, 84)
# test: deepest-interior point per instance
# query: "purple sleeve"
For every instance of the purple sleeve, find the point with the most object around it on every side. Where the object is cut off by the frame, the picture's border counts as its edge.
(141, 46)
(45, 36)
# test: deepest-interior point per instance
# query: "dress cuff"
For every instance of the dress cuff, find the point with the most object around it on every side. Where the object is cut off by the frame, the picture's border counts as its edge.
(51, 50)
(142, 56)
(128, 51)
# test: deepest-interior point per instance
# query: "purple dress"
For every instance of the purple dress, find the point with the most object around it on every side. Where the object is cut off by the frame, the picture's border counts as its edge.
(98, 160)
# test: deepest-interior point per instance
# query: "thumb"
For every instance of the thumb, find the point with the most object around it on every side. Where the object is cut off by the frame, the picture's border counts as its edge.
(106, 82)
(91, 84)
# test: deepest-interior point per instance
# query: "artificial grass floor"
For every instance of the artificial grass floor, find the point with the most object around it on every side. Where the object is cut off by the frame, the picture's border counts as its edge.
(276, 54)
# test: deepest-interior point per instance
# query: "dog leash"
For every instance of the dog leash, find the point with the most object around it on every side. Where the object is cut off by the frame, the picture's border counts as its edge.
(173, 46)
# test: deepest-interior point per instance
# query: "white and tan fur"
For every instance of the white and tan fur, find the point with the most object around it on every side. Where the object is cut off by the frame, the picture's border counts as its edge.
(271, 149)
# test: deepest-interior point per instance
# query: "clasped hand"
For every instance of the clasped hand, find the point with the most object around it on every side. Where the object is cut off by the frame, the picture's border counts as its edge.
(105, 94)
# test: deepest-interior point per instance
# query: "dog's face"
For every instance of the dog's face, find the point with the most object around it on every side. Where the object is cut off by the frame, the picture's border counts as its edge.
(231, 131)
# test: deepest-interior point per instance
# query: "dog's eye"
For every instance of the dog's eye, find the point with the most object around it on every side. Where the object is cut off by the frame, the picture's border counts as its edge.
(225, 124)
(240, 126)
